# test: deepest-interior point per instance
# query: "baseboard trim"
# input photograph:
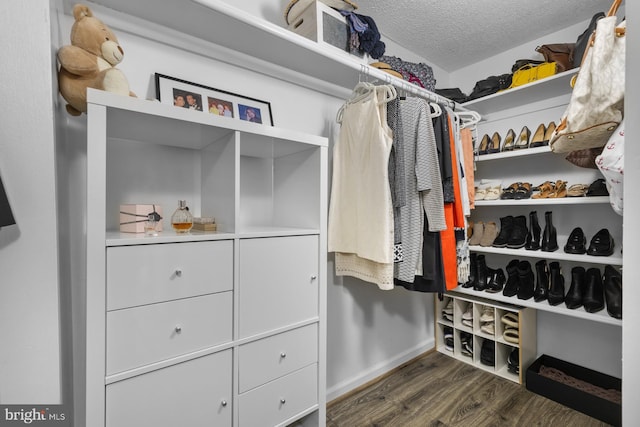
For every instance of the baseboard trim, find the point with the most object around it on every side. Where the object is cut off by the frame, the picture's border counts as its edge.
(378, 372)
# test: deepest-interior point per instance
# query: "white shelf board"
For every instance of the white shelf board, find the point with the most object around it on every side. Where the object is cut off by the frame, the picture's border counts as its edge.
(601, 316)
(559, 255)
(534, 202)
(550, 87)
(513, 153)
(230, 27)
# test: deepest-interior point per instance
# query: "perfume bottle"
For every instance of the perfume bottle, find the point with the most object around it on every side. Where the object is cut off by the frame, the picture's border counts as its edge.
(182, 220)
(150, 225)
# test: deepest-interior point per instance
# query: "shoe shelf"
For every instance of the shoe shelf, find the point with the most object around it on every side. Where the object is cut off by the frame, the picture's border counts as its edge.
(558, 255)
(513, 153)
(601, 316)
(595, 200)
(537, 91)
(465, 343)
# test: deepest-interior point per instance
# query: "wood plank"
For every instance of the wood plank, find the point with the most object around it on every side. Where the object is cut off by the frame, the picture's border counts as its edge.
(436, 390)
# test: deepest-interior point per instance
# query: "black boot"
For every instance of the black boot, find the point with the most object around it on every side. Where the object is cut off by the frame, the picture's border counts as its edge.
(506, 227)
(613, 291)
(496, 283)
(542, 284)
(549, 238)
(526, 281)
(593, 297)
(533, 237)
(518, 236)
(574, 297)
(511, 287)
(556, 287)
(473, 271)
(483, 274)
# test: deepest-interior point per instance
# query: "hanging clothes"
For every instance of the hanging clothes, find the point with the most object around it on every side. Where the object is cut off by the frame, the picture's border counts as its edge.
(423, 187)
(360, 228)
(469, 173)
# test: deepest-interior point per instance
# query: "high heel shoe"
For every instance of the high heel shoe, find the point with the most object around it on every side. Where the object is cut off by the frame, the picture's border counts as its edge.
(494, 145)
(523, 138)
(484, 144)
(509, 140)
(547, 133)
(538, 137)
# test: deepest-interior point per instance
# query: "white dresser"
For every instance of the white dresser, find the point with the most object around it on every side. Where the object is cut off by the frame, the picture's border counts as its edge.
(226, 328)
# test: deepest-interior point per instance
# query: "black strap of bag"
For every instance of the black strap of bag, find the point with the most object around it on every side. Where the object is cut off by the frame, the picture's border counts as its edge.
(583, 40)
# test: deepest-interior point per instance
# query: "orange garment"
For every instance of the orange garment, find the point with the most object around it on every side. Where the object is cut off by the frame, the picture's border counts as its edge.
(467, 149)
(454, 217)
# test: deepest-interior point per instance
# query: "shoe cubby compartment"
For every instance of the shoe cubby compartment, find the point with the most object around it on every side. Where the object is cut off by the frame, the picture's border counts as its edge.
(442, 339)
(483, 313)
(444, 311)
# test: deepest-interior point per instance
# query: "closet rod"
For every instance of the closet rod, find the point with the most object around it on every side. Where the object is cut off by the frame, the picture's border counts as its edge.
(406, 86)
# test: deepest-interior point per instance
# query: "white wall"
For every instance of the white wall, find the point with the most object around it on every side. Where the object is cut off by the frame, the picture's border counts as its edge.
(29, 315)
(631, 301)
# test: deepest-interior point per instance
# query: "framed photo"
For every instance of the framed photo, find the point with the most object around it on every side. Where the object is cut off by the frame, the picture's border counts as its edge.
(194, 96)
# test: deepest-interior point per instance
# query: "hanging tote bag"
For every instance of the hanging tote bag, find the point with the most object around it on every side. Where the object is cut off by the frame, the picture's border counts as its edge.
(611, 164)
(597, 101)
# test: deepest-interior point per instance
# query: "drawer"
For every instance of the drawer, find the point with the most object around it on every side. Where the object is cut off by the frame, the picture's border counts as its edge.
(145, 274)
(193, 393)
(277, 282)
(142, 335)
(270, 358)
(279, 400)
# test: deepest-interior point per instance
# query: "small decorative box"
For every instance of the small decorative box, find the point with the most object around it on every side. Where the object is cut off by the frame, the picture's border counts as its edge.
(326, 26)
(133, 217)
(205, 224)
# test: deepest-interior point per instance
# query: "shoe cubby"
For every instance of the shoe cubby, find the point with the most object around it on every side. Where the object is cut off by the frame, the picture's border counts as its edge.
(484, 312)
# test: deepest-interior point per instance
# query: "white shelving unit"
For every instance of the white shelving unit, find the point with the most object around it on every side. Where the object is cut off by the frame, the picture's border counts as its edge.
(525, 106)
(226, 327)
(502, 349)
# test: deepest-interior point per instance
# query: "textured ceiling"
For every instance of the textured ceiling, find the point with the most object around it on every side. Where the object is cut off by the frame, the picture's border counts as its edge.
(454, 33)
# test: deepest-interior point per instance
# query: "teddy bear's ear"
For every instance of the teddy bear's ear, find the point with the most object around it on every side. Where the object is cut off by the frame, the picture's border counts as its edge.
(80, 11)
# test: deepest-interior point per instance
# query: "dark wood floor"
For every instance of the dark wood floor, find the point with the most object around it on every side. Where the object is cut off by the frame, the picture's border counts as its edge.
(436, 390)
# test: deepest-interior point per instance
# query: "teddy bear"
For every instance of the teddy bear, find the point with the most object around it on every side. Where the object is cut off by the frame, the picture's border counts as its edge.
(89, 62)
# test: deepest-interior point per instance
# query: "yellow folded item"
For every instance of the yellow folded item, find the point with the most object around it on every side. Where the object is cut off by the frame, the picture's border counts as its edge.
(530, 73)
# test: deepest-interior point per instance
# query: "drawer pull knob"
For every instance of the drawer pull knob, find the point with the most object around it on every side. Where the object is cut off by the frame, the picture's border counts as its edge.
(178, 329)
(223, 403)
(283, 355)
(283, 401)
(314, 277)
(178, 272)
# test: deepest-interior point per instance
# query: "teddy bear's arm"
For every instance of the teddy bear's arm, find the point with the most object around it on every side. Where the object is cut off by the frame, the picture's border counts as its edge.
(77, 61)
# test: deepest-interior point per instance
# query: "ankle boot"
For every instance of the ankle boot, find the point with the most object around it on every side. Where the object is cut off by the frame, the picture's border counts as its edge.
(506, 227)
(511, 287)
(556, 286)
(476, 236)
(489, 234)
(593, 297)
(573, 299)
(542, 284)
(526, 281)
(613, 291)
(533, 237)
(473, 271)
(496, 283)
(483, 272)
(518, 236)
(549, 238)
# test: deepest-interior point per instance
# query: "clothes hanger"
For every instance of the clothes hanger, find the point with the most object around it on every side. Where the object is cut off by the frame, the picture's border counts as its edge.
(437, 111)
(468, 118)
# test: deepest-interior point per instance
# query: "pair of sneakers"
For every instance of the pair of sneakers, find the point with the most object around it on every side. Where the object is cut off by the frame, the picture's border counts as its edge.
(487, 320)
(448, 338)
(511, 332)
(488, 189)
(466, 344)
(447, 311)
(467, 316)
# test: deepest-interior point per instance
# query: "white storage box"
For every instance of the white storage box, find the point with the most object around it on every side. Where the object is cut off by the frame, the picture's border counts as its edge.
(322, 24)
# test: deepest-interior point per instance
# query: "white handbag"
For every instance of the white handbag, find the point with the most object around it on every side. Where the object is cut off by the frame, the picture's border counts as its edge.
(611, 164)
(596, 107)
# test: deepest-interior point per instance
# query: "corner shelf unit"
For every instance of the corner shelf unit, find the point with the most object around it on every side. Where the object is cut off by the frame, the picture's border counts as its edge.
(526, 346)
(229, 326)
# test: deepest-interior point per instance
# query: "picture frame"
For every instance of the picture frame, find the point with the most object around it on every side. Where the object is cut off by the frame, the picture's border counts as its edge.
(209, 100)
